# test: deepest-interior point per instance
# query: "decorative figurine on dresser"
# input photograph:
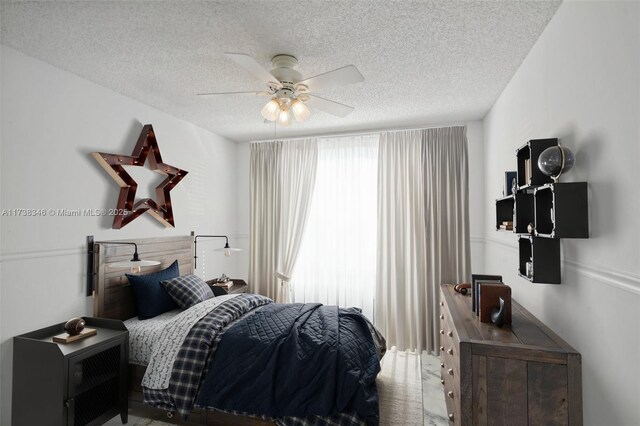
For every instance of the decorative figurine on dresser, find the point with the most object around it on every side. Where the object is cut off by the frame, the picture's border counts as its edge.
(542, 210)
(518, 374)
(72, 373)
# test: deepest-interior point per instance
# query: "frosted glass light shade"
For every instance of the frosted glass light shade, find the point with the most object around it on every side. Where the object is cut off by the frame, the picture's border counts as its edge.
(227, 250)
(284, 119)
(135, 265)
(300, 110)
(271, 110)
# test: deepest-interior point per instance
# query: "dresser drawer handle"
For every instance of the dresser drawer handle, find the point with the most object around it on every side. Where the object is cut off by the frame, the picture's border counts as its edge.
(450, 334)
(442, 332)
(441, 348)
(442, 381)
(450, 417)
(450, 351)
(450, 394)
(441, 303)
(450, 371)
(441, 316)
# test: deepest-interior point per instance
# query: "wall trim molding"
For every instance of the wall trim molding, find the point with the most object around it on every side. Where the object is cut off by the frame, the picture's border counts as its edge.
(616, 277)
(476, 239)
(496, 241)
(13, 256)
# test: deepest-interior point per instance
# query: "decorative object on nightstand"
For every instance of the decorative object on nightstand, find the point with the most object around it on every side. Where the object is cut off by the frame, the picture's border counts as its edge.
(74, 330)
(543, 210)
(74, 326)
(78, 383)
(233, 286)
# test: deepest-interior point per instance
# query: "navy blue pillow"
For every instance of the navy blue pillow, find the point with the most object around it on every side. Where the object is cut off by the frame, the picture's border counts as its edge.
(150, 297)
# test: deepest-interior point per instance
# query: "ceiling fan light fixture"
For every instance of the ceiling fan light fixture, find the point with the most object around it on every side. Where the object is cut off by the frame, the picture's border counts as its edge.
(291, 95)
(284, 119)
(271, 110)
(300, 110)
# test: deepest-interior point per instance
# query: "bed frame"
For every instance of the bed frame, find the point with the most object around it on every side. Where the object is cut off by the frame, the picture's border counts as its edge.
(113, 298)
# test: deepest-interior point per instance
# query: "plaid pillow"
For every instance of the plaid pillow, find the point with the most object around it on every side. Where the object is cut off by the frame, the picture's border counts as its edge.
(187, 290)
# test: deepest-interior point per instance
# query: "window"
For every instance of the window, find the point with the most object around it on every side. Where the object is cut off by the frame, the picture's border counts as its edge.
(337, 260)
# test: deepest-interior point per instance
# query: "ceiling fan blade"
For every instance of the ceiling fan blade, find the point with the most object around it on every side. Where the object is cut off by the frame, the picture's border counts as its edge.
(338, 77)
(254, 68)
(235, 93)
(332, 107)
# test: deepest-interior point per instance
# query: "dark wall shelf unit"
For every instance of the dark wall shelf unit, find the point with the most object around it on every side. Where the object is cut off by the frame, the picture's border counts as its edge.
(561, 210)
(531, 151)
(555, 210)
(544, 255)
(83, 383)
(504, 210)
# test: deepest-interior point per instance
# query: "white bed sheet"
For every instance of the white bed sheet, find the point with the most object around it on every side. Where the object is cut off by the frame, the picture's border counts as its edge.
(144, 333)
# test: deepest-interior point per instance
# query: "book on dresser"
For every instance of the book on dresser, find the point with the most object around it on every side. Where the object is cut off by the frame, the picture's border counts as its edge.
(475, 279)
(489, 295)
(520, 374)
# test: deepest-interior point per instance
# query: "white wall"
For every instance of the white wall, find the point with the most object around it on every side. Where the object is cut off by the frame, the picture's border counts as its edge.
(243, 204)
(51, 120)
(581, 83)
(475, 142)
(1, 137)
(475, 138)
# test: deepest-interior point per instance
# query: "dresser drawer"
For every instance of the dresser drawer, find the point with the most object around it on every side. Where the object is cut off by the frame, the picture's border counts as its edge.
(450, 365)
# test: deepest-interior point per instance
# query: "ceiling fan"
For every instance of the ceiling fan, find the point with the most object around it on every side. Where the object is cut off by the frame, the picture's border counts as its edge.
(289, 92)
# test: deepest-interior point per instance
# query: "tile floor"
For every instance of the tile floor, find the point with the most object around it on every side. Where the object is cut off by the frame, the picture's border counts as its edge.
(435, 410)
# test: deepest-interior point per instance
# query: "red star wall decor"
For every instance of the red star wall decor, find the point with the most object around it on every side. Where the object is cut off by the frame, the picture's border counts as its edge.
(146, 148)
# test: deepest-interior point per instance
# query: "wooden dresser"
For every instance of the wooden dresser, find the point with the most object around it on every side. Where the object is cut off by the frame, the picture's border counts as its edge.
(522, 374)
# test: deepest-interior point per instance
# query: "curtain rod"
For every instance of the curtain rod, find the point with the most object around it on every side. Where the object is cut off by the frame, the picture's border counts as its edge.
(359, 133)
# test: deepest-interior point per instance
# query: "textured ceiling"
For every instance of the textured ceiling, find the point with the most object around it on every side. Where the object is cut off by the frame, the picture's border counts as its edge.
(423, 61)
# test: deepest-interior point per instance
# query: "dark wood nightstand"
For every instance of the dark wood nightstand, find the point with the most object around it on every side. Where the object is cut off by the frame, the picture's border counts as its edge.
(78, 383)
(239, 286)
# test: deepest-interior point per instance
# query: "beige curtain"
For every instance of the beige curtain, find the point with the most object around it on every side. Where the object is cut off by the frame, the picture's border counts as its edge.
(282, 181)
(423, 230)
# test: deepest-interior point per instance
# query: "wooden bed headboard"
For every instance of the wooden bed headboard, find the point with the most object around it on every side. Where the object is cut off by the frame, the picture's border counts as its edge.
(113, 297)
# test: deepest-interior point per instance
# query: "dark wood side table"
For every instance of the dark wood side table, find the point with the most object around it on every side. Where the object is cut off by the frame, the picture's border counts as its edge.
(78, 383)
(239, 286)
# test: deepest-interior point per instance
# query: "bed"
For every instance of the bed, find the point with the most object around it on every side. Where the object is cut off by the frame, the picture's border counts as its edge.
(239, 359)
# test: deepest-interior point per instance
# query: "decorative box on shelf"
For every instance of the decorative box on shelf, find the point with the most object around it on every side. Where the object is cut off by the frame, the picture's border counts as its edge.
(528, 172)
(539, 259)
(561, 210)
(504, 211)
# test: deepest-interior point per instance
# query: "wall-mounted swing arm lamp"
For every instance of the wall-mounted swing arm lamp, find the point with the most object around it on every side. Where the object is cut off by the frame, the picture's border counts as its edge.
(226, 249)
(135, 263)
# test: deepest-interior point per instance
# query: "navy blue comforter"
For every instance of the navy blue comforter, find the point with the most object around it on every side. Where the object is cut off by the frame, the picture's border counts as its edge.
(296, 360)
